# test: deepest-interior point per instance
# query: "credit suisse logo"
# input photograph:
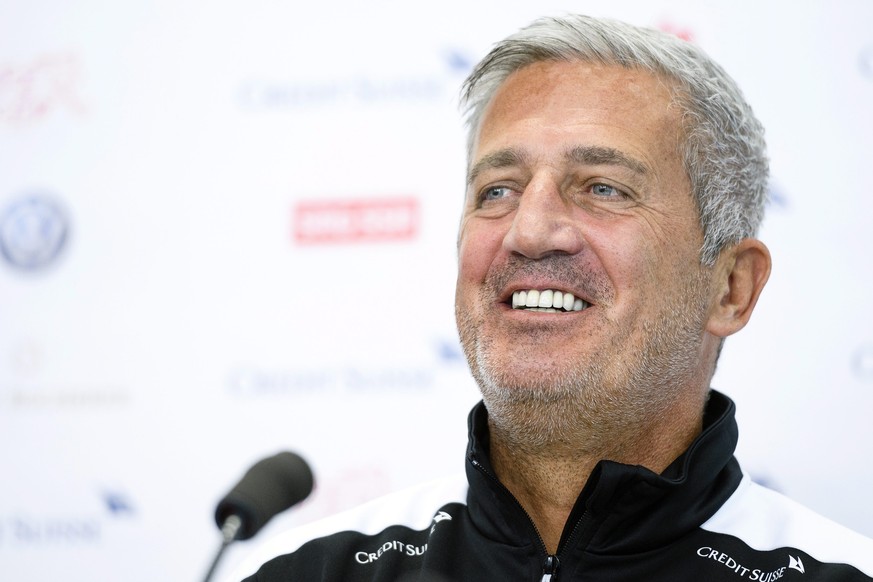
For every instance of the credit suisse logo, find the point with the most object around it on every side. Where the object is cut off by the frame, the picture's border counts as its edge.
(777, 197)
(865, 61)
(321, 222)
(258, 382)
(35, 529)
(862, 363)
(365, 89)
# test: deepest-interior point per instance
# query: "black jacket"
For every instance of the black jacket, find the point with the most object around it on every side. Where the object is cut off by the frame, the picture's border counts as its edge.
(701, 519)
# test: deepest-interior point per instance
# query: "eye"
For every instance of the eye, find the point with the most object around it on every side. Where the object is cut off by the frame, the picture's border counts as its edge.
(495, 193)
(606, 191)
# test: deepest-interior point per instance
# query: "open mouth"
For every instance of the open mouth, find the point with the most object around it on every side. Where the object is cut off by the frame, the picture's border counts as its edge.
(547, 300)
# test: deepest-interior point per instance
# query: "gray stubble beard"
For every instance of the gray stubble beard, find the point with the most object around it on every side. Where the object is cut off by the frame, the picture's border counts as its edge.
(592, 408)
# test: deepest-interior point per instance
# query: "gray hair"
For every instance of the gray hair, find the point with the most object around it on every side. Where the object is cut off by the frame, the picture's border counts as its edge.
(724, 151)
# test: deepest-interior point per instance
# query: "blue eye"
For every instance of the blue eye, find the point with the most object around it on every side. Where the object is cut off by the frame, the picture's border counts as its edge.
(605, 190)
(496, 193)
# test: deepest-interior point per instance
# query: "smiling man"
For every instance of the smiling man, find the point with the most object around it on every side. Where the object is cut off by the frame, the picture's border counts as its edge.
(577, 193)
(616, 181)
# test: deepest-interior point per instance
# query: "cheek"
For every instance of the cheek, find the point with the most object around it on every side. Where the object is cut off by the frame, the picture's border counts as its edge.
(478, 246)
(622, 254)
(638, 253)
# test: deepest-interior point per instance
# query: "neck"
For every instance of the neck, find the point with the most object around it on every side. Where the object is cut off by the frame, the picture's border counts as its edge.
(548, 478)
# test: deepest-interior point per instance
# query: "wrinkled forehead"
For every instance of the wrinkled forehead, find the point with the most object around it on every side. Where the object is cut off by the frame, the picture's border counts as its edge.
(646, 96)
(581, 104)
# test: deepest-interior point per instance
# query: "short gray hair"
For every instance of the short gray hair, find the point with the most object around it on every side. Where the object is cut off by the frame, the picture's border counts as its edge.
(724, 151)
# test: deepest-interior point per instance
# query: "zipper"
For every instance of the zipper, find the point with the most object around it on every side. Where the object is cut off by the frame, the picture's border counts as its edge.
(550, 567)
(551, 561)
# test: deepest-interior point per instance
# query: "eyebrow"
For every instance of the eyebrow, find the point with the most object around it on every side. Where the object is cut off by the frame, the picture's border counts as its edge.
(603, 156)
(504, 158)
(584, 155)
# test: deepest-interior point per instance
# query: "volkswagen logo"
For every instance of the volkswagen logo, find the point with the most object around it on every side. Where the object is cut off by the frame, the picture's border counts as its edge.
(33, 231)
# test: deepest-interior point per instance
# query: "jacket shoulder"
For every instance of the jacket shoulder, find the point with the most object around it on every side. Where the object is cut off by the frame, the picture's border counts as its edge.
(413, 508)
(766, 520)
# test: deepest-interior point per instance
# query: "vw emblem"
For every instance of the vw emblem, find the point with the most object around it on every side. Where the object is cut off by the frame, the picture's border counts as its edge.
(33, 230)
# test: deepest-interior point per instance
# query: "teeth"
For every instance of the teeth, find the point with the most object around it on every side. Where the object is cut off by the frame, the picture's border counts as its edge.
(533, 298)
(547, 300)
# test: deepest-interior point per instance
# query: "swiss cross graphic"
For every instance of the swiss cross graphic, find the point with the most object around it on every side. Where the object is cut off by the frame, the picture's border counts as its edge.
(33, 90)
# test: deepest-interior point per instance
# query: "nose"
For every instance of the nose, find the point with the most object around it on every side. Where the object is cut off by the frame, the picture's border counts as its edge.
(544, 223)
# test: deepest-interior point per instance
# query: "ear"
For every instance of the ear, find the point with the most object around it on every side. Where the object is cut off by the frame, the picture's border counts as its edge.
(742, 271)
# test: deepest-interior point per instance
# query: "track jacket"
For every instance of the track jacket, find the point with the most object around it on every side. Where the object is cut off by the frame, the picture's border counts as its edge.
(700, 520)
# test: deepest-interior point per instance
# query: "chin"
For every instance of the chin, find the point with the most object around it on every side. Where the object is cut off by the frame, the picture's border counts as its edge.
(523, 380)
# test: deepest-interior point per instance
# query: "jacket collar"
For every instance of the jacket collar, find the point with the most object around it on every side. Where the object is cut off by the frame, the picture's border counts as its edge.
(622, 509)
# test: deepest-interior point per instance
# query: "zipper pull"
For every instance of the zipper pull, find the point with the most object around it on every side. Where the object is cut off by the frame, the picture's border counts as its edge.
(550, 569)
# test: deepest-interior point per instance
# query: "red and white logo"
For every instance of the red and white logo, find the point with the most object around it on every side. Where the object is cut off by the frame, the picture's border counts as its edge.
(32, 91)
(349, 221)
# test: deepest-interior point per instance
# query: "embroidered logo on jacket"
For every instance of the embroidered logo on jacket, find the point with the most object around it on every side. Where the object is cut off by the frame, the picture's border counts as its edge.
(754, 574)
(392, 546)
(440, 516)
(405, 549)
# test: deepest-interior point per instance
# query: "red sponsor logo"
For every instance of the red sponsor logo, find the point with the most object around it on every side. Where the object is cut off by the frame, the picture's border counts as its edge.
(346, 221)
(682, 32)
(32, 91)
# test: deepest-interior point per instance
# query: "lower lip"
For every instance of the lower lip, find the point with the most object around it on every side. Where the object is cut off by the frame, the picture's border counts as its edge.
(527, 312)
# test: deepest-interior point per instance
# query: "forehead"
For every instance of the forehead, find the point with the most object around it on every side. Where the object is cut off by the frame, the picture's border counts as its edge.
(586, 104)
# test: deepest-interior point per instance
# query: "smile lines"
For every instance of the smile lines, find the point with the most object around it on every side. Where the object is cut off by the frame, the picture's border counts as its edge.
(547, 300)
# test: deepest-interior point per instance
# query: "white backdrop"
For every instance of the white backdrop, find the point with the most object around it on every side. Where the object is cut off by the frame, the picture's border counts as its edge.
(229, 230)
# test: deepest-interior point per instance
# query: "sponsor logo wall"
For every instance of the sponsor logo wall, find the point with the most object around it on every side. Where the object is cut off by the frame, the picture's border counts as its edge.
(211, 251)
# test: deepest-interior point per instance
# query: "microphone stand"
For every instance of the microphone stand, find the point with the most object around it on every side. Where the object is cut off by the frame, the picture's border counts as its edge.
(268, 488)
(228, 535)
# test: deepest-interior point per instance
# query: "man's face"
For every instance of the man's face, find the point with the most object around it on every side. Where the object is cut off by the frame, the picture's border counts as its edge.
(576, 187)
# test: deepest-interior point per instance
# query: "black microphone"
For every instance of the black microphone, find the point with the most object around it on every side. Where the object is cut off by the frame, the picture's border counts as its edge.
(270, 487)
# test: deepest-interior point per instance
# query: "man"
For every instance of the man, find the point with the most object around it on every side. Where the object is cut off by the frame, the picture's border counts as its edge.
(616, 180)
